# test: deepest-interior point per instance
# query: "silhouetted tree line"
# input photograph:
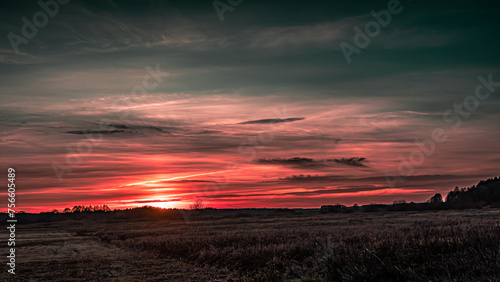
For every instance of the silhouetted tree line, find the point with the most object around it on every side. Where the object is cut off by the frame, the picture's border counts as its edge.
(89, 208)
(485, 193)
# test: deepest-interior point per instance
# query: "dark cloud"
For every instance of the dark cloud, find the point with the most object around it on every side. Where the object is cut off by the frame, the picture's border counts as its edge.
(357, 162)
(127, 128)
(296, 160)
(121, 126)
(299, 162)
(375, 179)
(272, 120)
(209, 132)
(313, 178)
(90, 131)
(137, 127)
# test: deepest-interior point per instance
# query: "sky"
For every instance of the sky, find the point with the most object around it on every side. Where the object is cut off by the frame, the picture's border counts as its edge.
(246, 103)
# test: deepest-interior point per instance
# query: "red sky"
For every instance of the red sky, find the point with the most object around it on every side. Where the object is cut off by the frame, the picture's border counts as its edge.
(179, 148)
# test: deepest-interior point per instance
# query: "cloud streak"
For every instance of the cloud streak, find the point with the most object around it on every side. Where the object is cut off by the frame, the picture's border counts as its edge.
(300, 162)
(272, 120)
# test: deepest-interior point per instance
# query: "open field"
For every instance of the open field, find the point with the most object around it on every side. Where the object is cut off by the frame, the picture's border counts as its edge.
(447, 245)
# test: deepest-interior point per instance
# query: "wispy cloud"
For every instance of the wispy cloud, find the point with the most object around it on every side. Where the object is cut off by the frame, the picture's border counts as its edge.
(300, 162)
(272, 120)
(356, 162)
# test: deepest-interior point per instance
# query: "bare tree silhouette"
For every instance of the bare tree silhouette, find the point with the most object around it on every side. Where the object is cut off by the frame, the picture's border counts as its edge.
(197, 205)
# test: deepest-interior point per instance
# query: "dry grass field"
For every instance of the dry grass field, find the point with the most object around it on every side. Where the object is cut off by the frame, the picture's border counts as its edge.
(450, 245)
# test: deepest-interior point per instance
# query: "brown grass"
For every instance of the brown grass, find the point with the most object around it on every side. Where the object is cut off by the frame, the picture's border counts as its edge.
(386, 246)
